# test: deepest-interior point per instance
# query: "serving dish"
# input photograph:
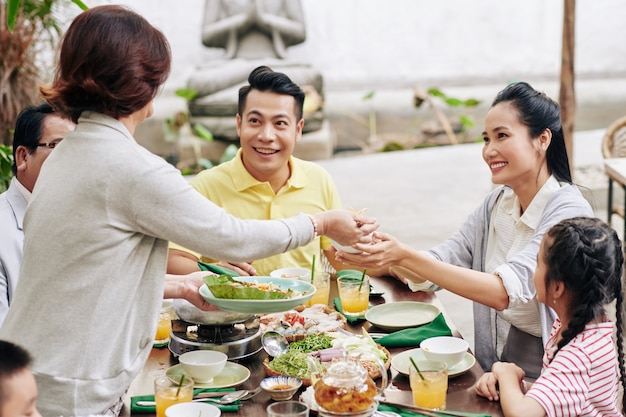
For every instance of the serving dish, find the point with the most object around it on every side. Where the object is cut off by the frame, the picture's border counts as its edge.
(401, 315)
(316, 319)
(371, 366)
(305, 290)
(402, 361)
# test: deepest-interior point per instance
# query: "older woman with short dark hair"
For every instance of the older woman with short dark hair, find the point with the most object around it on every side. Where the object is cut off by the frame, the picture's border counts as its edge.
(102, 214)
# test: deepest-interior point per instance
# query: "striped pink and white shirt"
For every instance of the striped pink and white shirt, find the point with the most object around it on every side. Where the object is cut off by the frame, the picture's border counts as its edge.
(583, 378)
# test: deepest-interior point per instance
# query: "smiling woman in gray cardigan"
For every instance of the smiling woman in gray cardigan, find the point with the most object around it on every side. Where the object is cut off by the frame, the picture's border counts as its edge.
(492, 258)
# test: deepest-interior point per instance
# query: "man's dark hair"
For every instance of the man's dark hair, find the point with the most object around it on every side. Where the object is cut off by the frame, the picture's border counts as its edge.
(29, 129)
(263, 78)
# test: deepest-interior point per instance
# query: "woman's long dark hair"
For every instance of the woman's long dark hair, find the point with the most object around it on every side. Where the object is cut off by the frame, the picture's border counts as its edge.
(586, 255)
(539, 112)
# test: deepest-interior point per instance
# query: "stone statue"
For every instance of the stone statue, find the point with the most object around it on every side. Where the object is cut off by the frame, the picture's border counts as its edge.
(252, 33)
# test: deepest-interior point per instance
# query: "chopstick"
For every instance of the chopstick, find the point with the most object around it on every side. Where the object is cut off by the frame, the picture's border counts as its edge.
(425, 411)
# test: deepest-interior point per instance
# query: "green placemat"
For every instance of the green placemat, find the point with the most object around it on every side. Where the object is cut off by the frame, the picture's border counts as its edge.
(415, 335)
(337, 303)
(407, 413)
(137, 409)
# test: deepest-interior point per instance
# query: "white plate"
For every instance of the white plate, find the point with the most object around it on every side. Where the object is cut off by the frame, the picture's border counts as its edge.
(401, 315)
(232, 375)
(263, 306)
(402, 361)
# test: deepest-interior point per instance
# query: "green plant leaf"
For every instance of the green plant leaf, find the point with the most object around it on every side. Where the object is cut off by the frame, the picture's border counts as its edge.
(471, 102)
(435, 92)
(369, 95)
(186, 93)
(466, 121)
(6, 160)
(229, 153)
(12, 10)
(80, 4)
(202, 132)
(205, 163)
(453, 102)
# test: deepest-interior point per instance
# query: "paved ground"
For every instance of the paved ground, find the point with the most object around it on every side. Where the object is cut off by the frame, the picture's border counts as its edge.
(423, 196)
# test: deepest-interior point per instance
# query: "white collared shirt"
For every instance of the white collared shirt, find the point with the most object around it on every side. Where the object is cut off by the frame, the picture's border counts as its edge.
(509, 233)
(23, 190)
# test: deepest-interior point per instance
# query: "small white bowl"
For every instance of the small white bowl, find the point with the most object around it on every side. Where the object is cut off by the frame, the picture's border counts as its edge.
(281, 388)
(344, 248)
(203, 365)
(448, 349)
(294, 273)
(192, 410)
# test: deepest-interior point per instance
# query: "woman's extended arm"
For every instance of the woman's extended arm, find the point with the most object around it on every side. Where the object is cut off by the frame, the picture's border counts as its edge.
(478, 286)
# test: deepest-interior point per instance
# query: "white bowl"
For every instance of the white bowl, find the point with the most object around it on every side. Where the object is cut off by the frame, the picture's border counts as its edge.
(281, 388)
(294, 273)
(203, 365)
(448, 349)
(192, 409)
(344, 248)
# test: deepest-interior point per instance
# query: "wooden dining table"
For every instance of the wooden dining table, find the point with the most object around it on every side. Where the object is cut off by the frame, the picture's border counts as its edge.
(461, 395)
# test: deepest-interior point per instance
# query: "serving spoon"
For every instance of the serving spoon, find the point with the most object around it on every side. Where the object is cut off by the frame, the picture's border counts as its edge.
(274, 343)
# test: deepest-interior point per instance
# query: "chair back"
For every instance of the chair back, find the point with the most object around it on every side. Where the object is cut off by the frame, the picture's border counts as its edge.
(614, 141)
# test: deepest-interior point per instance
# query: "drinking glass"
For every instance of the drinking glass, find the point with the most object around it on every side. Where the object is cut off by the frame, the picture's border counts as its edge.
(287, 409)
(354, 294)
(429, 389)
(321, 281)
(168, 392)
(164, 328)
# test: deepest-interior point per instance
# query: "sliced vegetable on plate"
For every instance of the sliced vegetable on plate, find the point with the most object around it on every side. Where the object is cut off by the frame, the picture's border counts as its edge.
(326, 349)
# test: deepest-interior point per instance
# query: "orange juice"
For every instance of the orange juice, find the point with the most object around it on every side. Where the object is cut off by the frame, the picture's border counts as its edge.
(321, 296)
(168, 392)
(322, 285)
(168, 397)
(163, 329)
(354, 295)
(429, 392)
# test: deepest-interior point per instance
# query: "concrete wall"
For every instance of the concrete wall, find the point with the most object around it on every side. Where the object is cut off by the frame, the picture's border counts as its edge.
(402, 42)
(468, 48)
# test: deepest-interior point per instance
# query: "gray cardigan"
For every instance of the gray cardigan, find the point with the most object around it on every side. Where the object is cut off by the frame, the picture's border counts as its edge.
(467, 248)
(95, 250)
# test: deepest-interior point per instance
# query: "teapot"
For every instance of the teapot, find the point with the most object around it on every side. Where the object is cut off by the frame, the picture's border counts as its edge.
(345, 387)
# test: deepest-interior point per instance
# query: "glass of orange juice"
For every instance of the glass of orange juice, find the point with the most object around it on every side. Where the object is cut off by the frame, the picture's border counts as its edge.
(168, 392)
(354, 293)
(321, 281)
(164, 327)
(429, 389)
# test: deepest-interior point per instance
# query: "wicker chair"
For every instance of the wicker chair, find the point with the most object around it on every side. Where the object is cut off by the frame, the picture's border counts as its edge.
(614, 146)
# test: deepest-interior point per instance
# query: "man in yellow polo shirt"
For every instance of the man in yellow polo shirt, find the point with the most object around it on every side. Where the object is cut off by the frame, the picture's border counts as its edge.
(264, 180)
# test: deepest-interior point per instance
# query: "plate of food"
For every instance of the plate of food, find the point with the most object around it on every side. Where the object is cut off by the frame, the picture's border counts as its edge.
(255, 294)
(301, 322)
(326, 348)
(402, 361)
(401, 315)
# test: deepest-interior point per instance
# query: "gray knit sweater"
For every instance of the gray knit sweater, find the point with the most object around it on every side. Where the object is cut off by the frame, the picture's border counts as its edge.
(91, 283)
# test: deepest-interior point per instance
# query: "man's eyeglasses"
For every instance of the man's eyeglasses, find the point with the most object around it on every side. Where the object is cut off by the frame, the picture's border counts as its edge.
(50, 145)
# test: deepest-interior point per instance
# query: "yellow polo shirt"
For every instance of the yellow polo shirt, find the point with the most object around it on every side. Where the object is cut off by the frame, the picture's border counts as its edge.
(309, 190)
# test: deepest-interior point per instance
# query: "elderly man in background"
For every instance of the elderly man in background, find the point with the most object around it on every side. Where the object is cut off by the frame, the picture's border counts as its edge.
(38, 130)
